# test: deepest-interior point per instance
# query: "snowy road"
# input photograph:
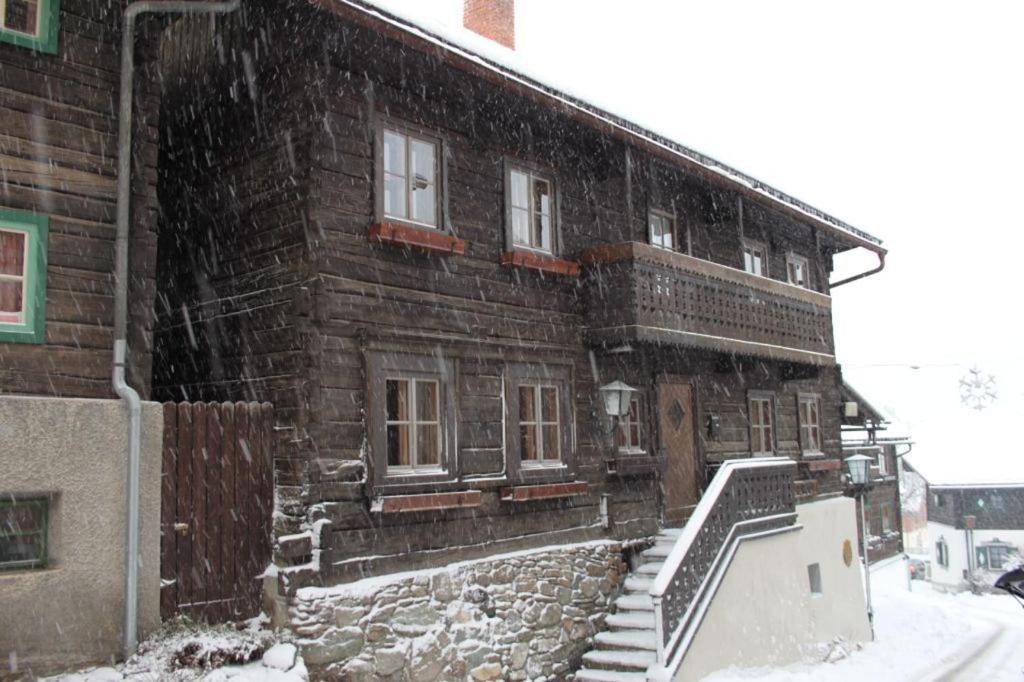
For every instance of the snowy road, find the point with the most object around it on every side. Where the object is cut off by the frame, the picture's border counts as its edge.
(921, 635)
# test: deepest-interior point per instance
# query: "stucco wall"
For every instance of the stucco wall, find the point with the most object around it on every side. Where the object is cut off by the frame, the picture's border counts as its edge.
(75, 452)
(951, 578)
(763, 612)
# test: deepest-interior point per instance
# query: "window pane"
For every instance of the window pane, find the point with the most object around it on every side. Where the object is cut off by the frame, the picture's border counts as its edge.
(424, 204)
(520, 190)
(394, 153)
(527, 407)
(757, 270)
(428, 445)
(399, 450)
(634, 434)
(11, 304)
(766, 412)
(549, 404)
(397, 400)
(424, 182)
(551, 447)
(12, 253)
(542, 214)
(426, 401)
(748, 260)
(21, 518)
(394, 196)
(527, 442)
(521, 226)
(21, 15)
(813, 409)
(21, 548)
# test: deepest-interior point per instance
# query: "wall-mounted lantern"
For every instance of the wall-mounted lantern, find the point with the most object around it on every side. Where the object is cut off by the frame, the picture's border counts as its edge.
(617, 397)
(858, 467)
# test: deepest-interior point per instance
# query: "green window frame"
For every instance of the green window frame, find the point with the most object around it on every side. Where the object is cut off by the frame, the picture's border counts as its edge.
(47, 25)
(11, 531)
(36, 228)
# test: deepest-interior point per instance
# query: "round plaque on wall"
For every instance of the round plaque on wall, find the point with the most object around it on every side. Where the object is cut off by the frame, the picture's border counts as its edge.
(847, 552)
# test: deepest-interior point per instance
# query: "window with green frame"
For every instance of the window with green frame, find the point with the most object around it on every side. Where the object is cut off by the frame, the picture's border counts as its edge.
(23, 532)
(23, 243)
(30, 23)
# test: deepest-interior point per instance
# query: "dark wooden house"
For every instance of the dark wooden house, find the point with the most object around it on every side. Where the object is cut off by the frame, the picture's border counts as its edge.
(430, 264)
(865, 432)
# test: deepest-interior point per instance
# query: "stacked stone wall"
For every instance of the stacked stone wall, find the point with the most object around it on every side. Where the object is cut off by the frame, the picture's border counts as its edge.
(521, 616)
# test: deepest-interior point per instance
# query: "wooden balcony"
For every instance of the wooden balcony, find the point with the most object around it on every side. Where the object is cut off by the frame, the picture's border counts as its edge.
(637, 292)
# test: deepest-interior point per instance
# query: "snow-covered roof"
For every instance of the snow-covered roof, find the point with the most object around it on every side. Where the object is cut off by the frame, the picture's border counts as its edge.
(619, 117)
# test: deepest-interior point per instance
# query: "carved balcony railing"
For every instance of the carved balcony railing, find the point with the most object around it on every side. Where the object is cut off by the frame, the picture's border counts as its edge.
(637, 292)
(747, 498)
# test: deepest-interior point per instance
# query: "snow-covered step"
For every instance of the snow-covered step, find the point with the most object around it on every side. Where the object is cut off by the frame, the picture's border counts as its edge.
(592, 675)
(619, 660)
(636, 583)
(651, 568)
(631, 620)
(673, 533)
(627, 639)
(635, 602)
(659, 551)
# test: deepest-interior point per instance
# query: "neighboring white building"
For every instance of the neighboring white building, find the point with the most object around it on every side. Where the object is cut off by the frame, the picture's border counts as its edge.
(975, 530)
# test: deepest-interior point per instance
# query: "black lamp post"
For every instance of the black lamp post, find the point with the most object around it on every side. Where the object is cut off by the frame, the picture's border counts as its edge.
(858, 471)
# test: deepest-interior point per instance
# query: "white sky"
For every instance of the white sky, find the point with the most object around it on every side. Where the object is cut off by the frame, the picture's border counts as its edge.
(906, 119)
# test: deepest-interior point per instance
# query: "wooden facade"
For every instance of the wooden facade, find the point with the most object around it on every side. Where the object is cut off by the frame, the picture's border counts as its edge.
(274, 276)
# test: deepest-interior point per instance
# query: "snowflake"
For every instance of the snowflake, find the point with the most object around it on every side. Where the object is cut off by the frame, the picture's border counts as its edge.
(977, 390)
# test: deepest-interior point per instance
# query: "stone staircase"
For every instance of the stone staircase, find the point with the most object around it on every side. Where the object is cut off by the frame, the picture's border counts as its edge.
(623, 653)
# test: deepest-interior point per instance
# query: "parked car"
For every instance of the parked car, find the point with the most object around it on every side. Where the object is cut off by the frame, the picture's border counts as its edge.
(918, 569)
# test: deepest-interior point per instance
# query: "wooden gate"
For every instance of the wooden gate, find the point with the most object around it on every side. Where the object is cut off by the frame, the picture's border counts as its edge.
(217, 499)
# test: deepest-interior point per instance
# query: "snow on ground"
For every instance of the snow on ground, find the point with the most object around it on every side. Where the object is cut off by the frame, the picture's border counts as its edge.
(919, 635)
(185, 651)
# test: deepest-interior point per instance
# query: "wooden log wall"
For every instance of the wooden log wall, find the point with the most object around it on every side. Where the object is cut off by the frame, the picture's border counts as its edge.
(58, 149)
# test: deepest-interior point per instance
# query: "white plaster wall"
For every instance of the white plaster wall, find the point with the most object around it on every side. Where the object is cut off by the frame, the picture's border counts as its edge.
(952, 578)
(763, 612)
(75, 450)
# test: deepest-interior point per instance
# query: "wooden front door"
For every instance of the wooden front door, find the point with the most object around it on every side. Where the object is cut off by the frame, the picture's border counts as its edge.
(676, 436)
(217, 502)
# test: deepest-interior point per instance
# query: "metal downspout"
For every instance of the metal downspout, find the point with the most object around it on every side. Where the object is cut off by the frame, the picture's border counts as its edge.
(120, 385)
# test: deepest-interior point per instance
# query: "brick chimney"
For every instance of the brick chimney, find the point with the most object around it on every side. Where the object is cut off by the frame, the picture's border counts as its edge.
(494, 19)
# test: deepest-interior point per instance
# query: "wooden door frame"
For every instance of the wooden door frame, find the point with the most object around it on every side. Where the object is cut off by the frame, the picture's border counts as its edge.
(699, 459)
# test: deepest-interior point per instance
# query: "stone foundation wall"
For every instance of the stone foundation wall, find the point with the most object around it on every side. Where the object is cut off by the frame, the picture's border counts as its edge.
(520, 616)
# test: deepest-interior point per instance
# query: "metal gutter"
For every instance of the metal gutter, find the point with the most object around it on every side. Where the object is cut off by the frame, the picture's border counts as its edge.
(881, 266)
(128, 394)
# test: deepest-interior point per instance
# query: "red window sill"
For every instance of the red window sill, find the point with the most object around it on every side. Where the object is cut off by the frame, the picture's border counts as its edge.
(541, 263)
(525, 493)
(419, 238)
(427, 502)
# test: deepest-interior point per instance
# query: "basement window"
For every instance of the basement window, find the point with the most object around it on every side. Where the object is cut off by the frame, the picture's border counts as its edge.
(814, 578)
(23, 533)
(23, 239)
(30, 23)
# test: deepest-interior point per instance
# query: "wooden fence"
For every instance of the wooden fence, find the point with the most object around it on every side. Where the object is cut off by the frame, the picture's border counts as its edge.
(217, 500)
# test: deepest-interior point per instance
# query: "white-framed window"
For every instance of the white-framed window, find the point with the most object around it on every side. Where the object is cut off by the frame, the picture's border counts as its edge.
(23, 258)
(755, 258)
(14, 260)
(628, 436)
(539, 431)
(410, 172)
(762, 424)
(883, 463)
(994, 556)
(531, 210)
(21, 16)
(809, 414)
(886, 517)
(797, 271)
(413, 411)
(661, 230)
